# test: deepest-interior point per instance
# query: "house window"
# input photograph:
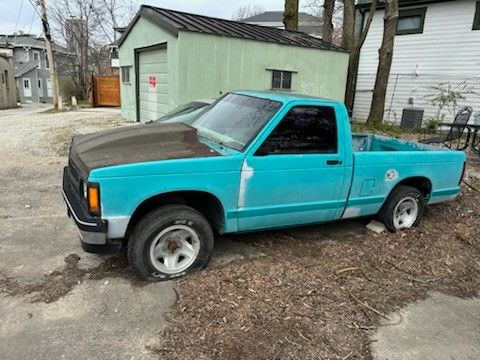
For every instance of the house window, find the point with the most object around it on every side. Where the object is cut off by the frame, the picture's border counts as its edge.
(126, 74)
(304, 130)
(281, 80)
(40, 87)
(5, 75)
(26, 84)
(47, 65)
(3, 78)
(411, 21)
(36, 57)
(476, 20)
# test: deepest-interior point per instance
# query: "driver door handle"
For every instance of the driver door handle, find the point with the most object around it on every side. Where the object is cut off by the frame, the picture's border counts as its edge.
(334, 162)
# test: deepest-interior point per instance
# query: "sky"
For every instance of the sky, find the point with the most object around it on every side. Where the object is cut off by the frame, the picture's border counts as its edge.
(29, 22)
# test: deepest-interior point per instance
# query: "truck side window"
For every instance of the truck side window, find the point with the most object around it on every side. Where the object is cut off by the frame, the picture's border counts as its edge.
(304, 130)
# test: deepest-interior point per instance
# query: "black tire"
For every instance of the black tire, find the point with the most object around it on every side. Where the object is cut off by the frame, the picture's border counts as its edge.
(152, 224)
(386, 213)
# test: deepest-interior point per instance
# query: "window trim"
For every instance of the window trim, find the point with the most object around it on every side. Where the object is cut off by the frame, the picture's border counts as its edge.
(476, 18)
(40, 87)
(36, 52)
(122, 68)
(421, 11)
(281, 88)
(256, 151)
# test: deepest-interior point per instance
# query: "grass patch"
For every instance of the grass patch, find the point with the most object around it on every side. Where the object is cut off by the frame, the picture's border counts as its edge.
(383, 129)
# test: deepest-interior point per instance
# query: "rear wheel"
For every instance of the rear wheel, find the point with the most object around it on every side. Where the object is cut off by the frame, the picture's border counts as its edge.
(403, 208)
(169, 242)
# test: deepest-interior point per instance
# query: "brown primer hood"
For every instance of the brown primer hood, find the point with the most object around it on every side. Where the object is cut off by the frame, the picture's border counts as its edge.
(133, 144)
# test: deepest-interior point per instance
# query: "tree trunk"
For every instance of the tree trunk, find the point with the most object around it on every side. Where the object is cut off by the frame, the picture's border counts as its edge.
(354, 45)
(351, 86)
(327, 31)
(385, 56)
(290, 15)
(348, 31)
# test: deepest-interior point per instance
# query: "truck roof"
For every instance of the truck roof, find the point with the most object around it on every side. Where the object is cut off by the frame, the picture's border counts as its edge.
(281, 96)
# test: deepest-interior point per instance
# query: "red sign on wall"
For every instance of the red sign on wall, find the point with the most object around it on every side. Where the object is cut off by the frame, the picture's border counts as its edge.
(152, 81)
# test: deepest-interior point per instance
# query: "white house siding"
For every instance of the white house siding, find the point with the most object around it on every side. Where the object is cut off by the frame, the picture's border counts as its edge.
(447, 52)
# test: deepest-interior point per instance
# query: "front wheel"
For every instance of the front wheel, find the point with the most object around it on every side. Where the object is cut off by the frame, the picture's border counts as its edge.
(403, 208)
(169, 242)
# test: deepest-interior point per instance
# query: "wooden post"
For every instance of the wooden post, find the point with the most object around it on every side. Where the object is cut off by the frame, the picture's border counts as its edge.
(50, 57)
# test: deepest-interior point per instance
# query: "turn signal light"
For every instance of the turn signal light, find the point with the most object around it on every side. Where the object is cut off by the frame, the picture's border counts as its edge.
(93, 199)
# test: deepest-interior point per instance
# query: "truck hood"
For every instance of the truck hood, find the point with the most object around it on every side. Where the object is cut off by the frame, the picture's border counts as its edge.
(132, 144)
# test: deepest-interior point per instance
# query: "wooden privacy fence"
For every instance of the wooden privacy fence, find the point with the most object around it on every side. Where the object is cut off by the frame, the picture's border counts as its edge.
(105, 91)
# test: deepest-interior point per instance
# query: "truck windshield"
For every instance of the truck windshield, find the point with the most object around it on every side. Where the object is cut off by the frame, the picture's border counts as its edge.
(235, 119)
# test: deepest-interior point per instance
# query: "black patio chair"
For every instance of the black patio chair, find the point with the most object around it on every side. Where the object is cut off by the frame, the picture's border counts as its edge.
(456, 131)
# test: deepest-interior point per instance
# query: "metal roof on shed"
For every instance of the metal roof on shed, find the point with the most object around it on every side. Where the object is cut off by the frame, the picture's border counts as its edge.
(175, 21)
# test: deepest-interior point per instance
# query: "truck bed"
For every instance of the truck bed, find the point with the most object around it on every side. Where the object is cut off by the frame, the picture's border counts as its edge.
(370, 142)
(381, 162)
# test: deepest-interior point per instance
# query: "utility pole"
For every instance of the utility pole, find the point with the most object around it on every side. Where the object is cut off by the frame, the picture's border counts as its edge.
(48, 46)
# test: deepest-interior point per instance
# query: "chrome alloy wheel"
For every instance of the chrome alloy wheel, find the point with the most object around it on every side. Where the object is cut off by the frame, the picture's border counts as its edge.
(405, 213)
(174, 249)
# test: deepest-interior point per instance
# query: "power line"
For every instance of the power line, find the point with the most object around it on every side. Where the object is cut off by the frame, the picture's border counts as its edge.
(34, 7)
(18, 20)
(31, 22)
(19, 15)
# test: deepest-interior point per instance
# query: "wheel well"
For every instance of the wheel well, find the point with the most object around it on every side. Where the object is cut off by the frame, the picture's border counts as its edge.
(207, 204)
(420, 183)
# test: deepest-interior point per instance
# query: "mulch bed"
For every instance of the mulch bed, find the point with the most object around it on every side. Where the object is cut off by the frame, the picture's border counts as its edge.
(317, 298)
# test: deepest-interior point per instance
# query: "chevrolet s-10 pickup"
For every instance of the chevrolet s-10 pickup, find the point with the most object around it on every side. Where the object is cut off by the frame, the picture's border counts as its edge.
(250, 161)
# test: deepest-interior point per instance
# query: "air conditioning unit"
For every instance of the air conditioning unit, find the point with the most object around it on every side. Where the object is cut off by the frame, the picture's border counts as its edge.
(412, 118)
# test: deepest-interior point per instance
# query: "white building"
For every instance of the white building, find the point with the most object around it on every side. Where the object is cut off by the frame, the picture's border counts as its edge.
(437, 46)
(307, 23)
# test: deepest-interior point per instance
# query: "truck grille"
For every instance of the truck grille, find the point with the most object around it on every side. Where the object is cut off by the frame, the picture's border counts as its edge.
(75, 181)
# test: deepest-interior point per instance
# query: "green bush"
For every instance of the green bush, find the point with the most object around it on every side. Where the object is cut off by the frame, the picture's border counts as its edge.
(432, 124)
(68, 88)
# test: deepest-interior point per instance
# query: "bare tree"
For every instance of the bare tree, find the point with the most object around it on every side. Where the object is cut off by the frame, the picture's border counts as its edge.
(290, 15)
(86, 27)
(246, 11)
(328, 9)
(316, 7)
(385, 56)
(353, 43)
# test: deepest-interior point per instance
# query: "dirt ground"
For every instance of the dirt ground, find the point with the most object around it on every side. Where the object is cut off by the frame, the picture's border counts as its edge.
(311, 293)
(322, 297)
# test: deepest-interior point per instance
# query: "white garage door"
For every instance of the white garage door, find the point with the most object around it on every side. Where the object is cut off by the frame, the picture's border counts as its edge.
(153, 86)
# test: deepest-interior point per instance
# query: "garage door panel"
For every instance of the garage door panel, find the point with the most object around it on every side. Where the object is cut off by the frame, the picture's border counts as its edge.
(160, 68)
(153, 84)
(161, 78)
(151, 105)
(159, 88)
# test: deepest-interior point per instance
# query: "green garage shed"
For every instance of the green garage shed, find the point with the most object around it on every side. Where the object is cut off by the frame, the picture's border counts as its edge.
(168, 58)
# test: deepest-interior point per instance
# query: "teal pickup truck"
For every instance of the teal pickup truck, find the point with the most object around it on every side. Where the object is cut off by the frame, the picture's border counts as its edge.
(251, 161)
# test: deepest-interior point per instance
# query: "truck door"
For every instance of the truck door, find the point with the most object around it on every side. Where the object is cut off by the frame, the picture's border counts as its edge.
(297, 174)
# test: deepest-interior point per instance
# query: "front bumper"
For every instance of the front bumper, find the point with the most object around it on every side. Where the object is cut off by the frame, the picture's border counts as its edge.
(92, 230)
